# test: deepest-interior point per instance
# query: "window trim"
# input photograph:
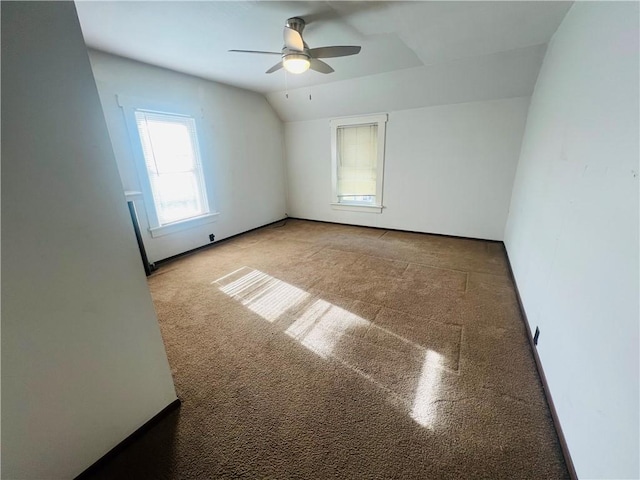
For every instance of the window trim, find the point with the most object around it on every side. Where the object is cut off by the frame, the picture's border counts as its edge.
(129, 107)
(381, 121)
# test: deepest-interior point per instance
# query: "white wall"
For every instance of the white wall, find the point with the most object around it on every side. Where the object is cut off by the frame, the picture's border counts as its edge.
(572, 233)
(240, 138)
(83, 363)
(448, 169)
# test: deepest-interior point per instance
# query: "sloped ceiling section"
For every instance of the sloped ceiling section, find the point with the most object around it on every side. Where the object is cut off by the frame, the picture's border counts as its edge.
(499, 75)
(443, 31)
(423, 37)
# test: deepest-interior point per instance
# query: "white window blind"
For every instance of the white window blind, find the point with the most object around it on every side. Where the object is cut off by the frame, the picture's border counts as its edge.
(357, 152)
(171, 154)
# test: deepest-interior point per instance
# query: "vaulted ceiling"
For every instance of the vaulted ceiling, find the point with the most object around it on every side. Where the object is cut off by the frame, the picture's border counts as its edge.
(396, 36)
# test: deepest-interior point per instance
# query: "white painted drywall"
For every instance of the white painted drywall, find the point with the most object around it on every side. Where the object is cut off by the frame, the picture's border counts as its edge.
(507, 74)
(83, 363)
(240, 138)
(448, 169)
(572, 233)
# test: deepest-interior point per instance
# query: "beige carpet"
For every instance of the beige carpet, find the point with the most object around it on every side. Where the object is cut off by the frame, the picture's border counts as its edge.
(315, 351)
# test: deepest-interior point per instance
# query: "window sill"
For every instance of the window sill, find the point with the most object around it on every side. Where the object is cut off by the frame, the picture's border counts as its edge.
(353, 207)
(183, 225)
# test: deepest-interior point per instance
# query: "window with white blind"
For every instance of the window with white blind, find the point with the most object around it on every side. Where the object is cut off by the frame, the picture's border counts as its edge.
(172, 159)
(357, 146)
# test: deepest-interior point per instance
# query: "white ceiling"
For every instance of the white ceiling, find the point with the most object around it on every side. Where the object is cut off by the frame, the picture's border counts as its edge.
(194, 37)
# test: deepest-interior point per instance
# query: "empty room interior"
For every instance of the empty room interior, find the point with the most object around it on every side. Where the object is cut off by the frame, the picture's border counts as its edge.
(266, 239)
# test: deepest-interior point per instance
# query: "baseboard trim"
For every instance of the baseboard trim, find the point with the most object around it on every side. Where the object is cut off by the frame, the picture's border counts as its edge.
(204, 247)
(446, 235)
(547, 392)
(212, 244)
(111, 454)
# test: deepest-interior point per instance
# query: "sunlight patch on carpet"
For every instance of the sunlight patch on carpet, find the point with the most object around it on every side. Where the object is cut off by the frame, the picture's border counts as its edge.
(410, 373)
(424, 408)
(321, 326)
(261, 293)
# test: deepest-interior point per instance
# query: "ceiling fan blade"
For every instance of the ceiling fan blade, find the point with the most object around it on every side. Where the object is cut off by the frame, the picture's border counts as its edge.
(275, 68)
(320, 66)
(256, 51)
(331, 52)
(293, 39)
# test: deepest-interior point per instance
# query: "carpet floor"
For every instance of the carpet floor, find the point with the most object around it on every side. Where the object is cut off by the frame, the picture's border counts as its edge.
(314, 351)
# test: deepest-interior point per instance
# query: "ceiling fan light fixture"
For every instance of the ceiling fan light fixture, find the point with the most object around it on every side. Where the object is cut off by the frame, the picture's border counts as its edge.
(296, 63)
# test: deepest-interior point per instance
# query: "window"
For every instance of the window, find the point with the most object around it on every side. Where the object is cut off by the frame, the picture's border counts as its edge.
(172, 178)
(357, 146)
(170, 149)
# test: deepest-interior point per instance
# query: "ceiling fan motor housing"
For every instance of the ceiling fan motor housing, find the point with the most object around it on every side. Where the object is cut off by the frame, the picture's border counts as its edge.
(297, 24)
(288, 53)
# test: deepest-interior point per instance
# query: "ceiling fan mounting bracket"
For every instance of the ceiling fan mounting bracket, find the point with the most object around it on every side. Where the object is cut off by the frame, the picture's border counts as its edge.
(296, 23)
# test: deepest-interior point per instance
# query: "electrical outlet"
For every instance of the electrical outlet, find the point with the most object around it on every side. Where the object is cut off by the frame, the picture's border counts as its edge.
(535, 336)
(212, 237)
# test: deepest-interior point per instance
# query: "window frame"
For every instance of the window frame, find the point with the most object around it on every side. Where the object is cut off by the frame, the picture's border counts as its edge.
(380, 120)
(129, 107)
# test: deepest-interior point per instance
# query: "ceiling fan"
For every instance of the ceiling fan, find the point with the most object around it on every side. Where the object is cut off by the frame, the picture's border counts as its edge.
(296, 55)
